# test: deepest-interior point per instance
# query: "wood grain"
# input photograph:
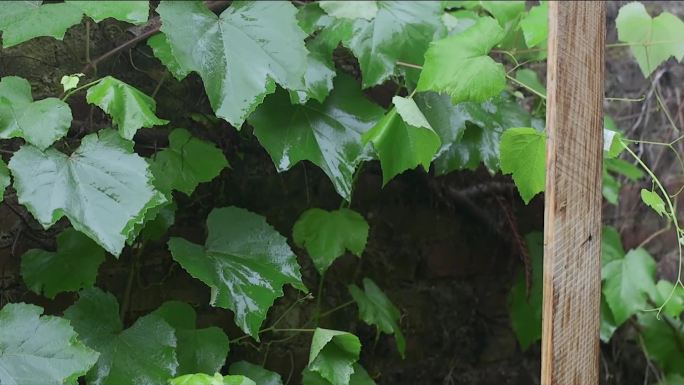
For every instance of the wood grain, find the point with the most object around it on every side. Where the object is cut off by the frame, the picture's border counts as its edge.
(572, 216)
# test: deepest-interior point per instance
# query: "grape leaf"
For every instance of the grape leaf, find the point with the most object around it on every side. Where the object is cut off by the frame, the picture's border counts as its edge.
(662, 338)
(530, 79)
(312, 18)
(350, 9)
(608, 325)
(523, 154)
(198, 350)
(141, 354)
(130, 109)
(535, 25)
(239, 55)
(161, 49)
(674, 295)
(4, 178)
(69, 82)
(459, 21)
(376, 309)
(652, 40)
(154, 228)
(40, 350)
(102, 187)
(628, 283)
(611, 245)
(359, 377)
(400, 31)
(40, 123)
(525, 308)
(131, 11)
(257, 373)
(459, 65)
(654, 201)
(73, 267)
(187, 162)
(328, 134)
(326, 235)
(403, 139)
(505, 12)
(245, 262)
(216, 379)
(333, 354)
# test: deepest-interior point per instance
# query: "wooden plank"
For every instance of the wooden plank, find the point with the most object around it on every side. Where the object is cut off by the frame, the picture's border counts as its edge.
(572, 216)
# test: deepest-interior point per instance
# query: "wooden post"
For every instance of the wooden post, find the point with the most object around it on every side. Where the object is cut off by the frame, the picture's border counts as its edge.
(572, 216)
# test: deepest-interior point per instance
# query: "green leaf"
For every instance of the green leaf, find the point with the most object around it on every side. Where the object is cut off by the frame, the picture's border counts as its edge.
(506, 11)
(40, 350)
(376, 309)
(535, 25)
(663, 340)
(525, 308)
(328, 134)
(652, 40)
(141, 354)
(102, 187)
(186, 163)
(257, 373)
(129, 108)
(359, 377)
(671, 296)
(608, 325)
(459, 21)
(216, 379)
(23, 20)
(625, 168)
(611, 188)
(333, 354)
(131, 11)
(4, 178)
(40, 123)
(326, 235)
(459, 65)
(73, 267)
(312, 18)
(611, 246)
(531, 80)
(403, 139)
(239, 55)
(155, 228)
(161, 49)
(654, 201)
(523, 154)
(69, 82)
(198, 350)
(245, 262)
(628, 283)
(400, 31)
(350, 9)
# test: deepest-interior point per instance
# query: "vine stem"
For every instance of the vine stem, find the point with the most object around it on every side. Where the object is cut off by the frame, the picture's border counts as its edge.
(129, 284)
(275, 330)
(71, 92)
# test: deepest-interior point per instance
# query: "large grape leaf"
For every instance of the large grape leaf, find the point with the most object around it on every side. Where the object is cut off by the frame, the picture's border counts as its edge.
(130, 109)
(535, 25)
(359, 377)
(628, 284)
(400, 31)
(525, 308)
(40, 123)
(326, 235)
(216, 379)
(71, 268)
(459, 65)
(241, 54)
(198, 350)
(671, 296)
(187, 162)
(403, 139)
(143, 354)
(244, 261)
(328, 134)
(40, 350)
(376, 309)
(4, 178)
(663, 337)
(350, 9)
(652, 40)
(333, 354)
(23, 20)
(161, 49)
(257, 373)
(523, 154)
(102, 187)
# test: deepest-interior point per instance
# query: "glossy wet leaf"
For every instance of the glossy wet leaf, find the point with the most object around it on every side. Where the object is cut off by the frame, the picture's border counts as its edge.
(377, 310)
(535, 25)
(328, 134)
(523, 154)
(459, 66)
(40, 123)
(333, 354)
(525, 308)
(131, 11)
(240, 54)
(40, 350)
(652, 40)
(350, 9)
(257, 373)
(327, 234)
(187, 162)
(662, 339)
(198, 350)
(143, 354)
(23, 20)
(4, 179)
(216, 379)
(628, 284)
(654, 201)
(359, 377)
(244, 261)
(71, 268)
(161, 49)
(129, 108)
(403, 139)
(102, 187)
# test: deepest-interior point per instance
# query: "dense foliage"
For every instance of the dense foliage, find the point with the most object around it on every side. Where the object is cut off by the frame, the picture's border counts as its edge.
(268, 68)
